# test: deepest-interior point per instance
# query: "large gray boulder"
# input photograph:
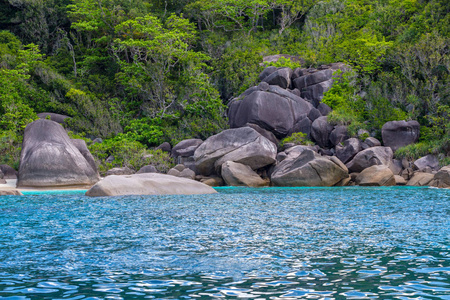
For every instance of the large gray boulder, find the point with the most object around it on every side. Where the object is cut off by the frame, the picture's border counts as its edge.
(148, 184)
(370, 157)
(50, 159)
(376, 176)
(351, 147)
(320, 132)
(236, 174)
(309, 169)
(243, 145)
(186, 148)
(274, 109)
(398, 134)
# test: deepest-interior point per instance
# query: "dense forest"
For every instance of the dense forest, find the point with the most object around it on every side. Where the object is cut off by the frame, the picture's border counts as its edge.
(139, 73)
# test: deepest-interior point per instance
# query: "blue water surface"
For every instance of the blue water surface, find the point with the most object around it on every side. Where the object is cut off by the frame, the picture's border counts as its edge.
(269, 243)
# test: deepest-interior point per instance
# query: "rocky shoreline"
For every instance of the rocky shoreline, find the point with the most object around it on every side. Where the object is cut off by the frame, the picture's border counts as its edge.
(249, 153)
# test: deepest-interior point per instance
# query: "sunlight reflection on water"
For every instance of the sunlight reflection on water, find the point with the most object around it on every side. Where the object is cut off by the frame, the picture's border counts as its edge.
(290, 243)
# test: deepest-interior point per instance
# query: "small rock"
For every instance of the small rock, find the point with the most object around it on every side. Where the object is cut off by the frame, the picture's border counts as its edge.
(119, 171)
(8, 172)
(147, 169)
(10, 193)
(344, 182)
(351, 147)
(372, 142)
(179, 167)
(363, 134)
(338, 135)
(324, 109)
(320, 132)
(266, 72)
(165, 147)
(212, 181)
(236, 174)
(407, 173)
(174, 172)
(399, 180)
(187, 173)
(313, 114)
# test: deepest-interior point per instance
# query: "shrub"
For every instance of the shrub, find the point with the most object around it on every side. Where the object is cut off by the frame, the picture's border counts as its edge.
(298, 138)
(415, 151)
(10, 148)
(128, 153)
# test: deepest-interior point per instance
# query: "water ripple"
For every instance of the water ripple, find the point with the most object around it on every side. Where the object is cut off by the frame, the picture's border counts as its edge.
(290, 243)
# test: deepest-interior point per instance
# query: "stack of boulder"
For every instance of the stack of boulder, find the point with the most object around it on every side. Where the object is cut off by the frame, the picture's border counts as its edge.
(289, 101)
(248, 154)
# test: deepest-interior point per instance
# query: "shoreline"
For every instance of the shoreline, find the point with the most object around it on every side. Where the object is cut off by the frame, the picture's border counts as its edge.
(10, 185)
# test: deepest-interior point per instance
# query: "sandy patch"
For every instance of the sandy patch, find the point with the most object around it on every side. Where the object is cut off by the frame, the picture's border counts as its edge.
(11, 185)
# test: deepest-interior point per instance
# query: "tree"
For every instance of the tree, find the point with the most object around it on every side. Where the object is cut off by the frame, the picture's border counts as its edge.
(150, 53)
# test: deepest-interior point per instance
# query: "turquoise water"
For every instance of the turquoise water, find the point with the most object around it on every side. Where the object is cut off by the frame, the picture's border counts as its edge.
(290, 243)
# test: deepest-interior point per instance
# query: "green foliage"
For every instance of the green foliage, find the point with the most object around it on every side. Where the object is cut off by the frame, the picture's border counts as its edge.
(284, 62)
(418, 150)
(161, 70)
(238, 66)
(298, 138)
(414, 151)
(145, 131)
(10, 147)
(128, 153)
(381, 111)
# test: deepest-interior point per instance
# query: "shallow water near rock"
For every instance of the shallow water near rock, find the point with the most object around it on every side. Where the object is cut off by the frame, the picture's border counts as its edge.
(268, 243)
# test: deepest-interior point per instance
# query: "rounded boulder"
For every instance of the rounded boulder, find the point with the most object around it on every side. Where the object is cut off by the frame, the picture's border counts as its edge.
(243, 145)
(49, 158)
(148, 184)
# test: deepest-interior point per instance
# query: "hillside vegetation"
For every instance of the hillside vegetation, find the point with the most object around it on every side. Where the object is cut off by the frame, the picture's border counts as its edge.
(139, 73)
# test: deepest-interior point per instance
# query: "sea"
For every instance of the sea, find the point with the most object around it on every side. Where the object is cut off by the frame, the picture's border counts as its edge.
(241, 243)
